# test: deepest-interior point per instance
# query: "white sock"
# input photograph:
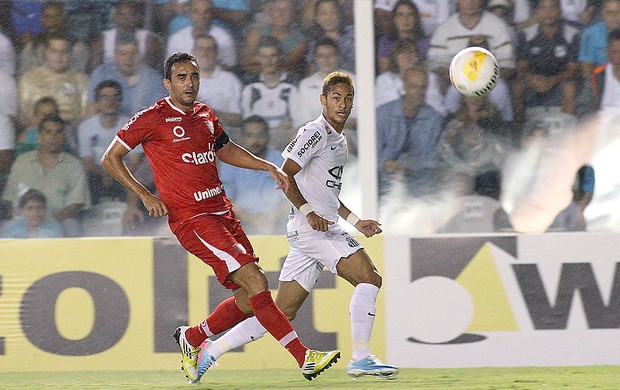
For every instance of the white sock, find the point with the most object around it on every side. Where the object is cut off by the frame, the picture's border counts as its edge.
(243, 333)
(362, 310)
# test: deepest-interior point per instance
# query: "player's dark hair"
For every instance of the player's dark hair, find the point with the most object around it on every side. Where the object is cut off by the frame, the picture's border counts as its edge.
(335, 78)
(108, 84)
(326, 41)
(176, 58)
(29, 195)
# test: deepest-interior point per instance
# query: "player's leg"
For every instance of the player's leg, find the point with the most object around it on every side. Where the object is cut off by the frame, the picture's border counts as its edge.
(297, 279)
(311, 362)
(289, 299)
(359, 270)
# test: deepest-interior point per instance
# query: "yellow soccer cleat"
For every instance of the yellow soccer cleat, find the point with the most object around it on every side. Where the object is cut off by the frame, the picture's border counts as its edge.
(190, 355)
(316, 362)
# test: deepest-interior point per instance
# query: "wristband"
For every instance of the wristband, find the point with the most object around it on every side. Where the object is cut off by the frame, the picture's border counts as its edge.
(352, 219)
(305, 209)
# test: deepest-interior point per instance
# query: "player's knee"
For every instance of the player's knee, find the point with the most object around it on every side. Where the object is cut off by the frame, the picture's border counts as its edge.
(376, 280)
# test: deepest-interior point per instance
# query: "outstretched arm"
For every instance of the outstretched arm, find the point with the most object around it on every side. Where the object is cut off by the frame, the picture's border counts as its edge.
(233, 154)
(112, 161)
(368, 227)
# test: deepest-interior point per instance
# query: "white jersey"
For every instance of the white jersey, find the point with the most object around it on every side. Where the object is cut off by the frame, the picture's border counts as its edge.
(321, 152)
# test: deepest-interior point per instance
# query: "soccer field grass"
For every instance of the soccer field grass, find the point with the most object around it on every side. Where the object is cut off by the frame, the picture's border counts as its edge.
(581, 378)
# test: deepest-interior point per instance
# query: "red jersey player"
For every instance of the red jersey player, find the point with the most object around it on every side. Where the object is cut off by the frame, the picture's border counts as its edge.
(181, 139)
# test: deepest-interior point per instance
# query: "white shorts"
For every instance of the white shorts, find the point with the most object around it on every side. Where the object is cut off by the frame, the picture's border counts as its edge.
(311, 250)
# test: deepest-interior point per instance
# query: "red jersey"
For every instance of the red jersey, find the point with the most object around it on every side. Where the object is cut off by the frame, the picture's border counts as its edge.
(181, 149)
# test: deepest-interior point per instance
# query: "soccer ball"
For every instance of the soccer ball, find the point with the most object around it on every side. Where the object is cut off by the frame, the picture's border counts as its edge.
(474, 71)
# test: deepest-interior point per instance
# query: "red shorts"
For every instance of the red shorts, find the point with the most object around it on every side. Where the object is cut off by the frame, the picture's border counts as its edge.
(219, 241)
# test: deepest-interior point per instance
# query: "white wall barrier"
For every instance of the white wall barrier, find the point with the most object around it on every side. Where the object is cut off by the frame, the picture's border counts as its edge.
(503, 300)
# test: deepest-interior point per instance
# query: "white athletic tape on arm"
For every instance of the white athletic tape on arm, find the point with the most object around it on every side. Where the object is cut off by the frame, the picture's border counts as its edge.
(305, 209)
(353, 219)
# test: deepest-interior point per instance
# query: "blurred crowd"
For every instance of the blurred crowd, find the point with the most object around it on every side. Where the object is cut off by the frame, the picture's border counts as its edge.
(523, 158)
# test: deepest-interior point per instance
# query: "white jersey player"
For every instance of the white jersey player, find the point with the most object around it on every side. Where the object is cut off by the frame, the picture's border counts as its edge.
(314, 162)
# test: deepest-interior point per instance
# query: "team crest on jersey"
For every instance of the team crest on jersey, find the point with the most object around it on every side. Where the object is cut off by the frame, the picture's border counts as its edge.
(210, 126)
(327, 129)
(352, 242)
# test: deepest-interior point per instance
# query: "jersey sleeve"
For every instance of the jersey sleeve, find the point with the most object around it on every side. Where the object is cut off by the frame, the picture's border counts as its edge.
(137, 130)
(309, 142)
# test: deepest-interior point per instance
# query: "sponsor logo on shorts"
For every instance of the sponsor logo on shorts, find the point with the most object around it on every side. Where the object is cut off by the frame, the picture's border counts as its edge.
(311, 143)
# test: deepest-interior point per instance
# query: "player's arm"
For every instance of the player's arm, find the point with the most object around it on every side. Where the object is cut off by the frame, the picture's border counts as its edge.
(112, 161)
(368, 227)
(233, 154)
(291, 168)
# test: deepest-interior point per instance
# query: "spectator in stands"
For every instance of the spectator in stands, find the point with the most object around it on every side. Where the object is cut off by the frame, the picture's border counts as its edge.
(601, 91)
(579, 13)
(25, 18)
(201, 14)
(282, 26)
(405, 23)
(87, 18)
(480, 212)
(141, 85)
(56, 79)
(58, 175)
(328, 22)
(219, 88)
(326, 59)
(470, 146)
(8, 95)
(7, 55)
(32, 221)
(261, 210)
(28, 139)
(271, 95)
(306, 12)
(94, 136)
(408, 131)
(32, 48)
(547, 65)
(128, 17)
(172, 15)
(572, 217)
(7, 146)
(389, 85)
(593, 45)
(472, 25)
(433, 13)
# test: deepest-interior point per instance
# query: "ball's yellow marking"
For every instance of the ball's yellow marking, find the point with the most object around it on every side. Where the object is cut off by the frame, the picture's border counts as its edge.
(472, 67)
